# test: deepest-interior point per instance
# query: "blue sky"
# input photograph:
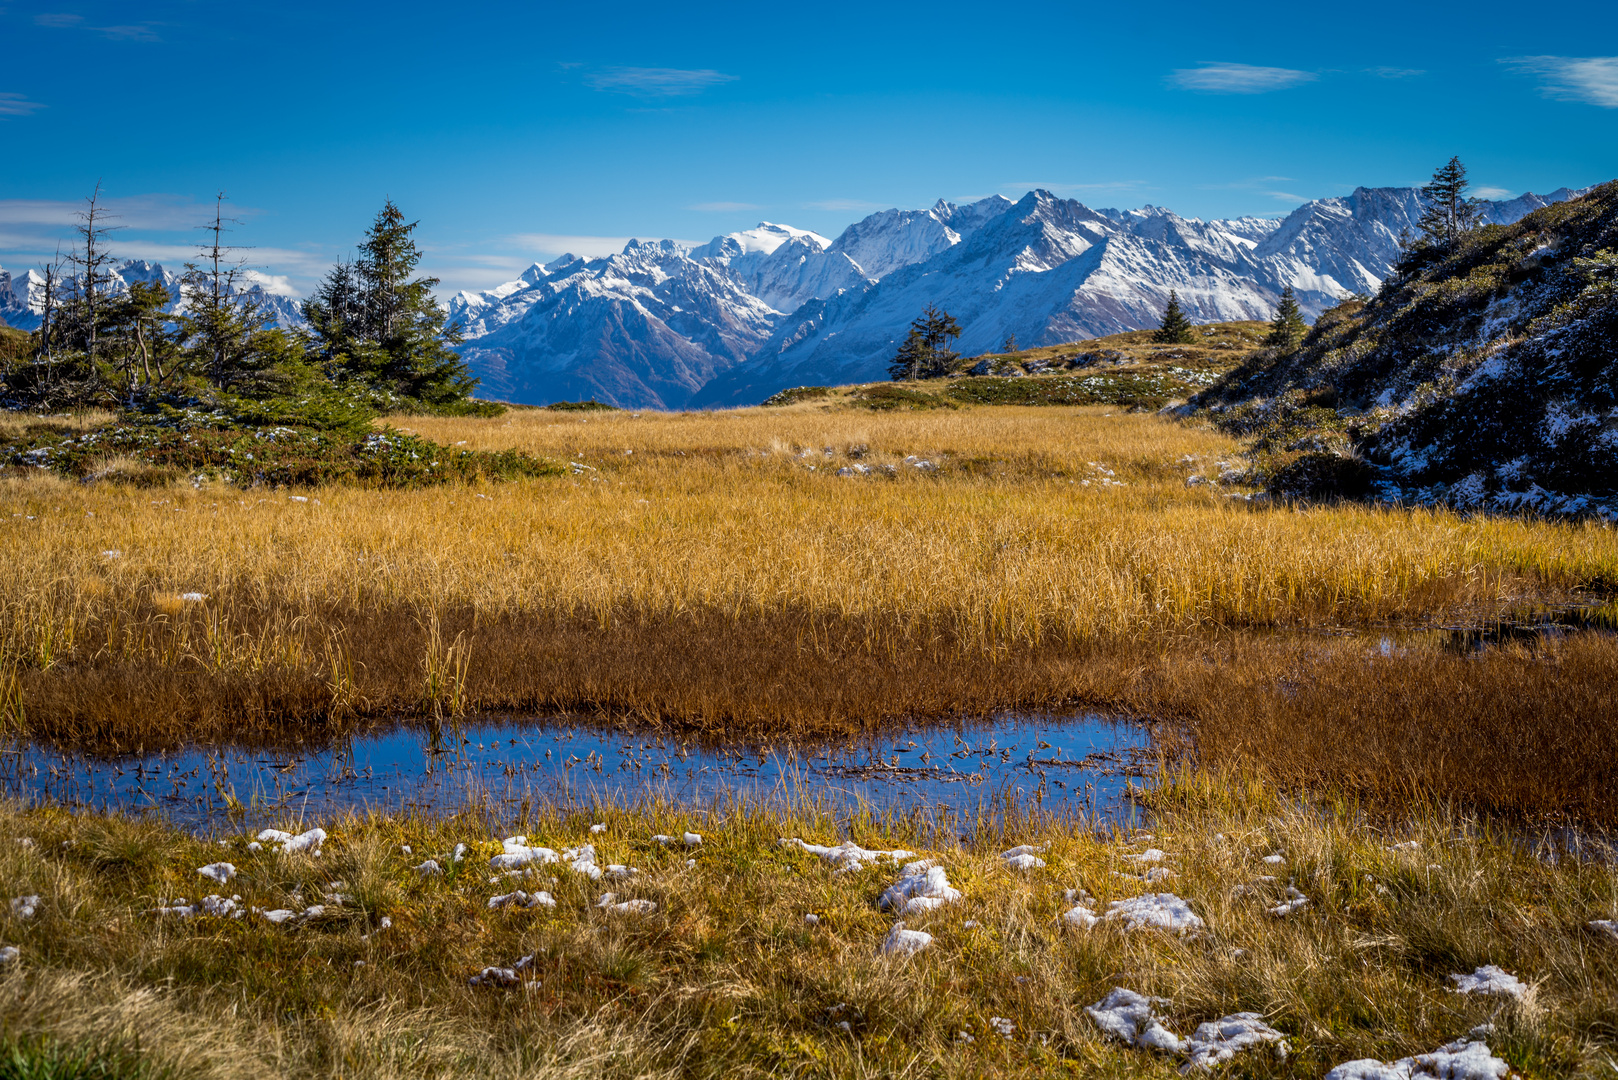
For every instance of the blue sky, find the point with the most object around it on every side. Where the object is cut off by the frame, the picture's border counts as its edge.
(517, 131)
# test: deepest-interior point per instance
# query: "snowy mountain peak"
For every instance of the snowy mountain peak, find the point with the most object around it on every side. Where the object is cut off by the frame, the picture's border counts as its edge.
(763, 240)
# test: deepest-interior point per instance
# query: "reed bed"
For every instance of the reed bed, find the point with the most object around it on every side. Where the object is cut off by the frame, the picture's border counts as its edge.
(726, 977)
(712, 571)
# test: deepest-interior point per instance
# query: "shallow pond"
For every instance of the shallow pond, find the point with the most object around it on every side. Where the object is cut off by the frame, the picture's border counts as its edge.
(1081, 765)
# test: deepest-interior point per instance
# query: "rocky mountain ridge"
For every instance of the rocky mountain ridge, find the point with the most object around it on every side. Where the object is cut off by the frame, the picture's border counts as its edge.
(734, 320)
(1484, 376)
(22, 298)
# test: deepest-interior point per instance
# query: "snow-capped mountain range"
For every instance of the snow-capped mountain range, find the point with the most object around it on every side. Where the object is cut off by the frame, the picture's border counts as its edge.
(22, 298)
(729, 322)
(732, 321)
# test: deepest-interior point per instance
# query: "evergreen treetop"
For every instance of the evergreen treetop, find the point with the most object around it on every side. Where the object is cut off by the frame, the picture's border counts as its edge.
(374, 322)
(1447, 213)
(925, 352)
(1287, 328)
(1176, 328)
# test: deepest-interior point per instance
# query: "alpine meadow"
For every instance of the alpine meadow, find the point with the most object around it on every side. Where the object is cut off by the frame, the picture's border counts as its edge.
(449, 626)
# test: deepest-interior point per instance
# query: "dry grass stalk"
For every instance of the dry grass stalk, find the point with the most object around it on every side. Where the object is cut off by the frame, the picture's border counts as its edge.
(727, 978)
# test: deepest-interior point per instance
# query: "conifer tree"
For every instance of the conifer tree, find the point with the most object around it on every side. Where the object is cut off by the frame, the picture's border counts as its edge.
(1009, 345)
(375, 322)
(1175, 328)
(1287, 328)
(1447, 214)
(907, 362)
(224, 324)
(925, 352)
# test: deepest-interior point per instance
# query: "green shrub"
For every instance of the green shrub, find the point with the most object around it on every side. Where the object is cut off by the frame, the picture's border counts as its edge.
(797, 394)
(891, 397)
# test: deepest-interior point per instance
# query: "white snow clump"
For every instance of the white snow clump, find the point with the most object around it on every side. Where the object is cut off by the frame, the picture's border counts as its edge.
(9, 954)
(849, 855)
(221, 872)
(309, 841)
(1023, 857)
(902, 942)
(597, 829)
(1133, 1018)
(1293, 902)
(1154, 911)
(517, 854)
(921, 887)
(1489, 979)
(430, 868)
(23, 907)
(610, 902)
(522, 900)
(1459, 1060)
(692, 839)
(1150, 855)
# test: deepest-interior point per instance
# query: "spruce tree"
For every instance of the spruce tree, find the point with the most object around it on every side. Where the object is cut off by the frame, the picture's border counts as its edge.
(224, 324)
(1287, 328)
(1447, 214)
(907, 362)
(925, 352)
(376, 323)
(1176, 328)
(940, 330)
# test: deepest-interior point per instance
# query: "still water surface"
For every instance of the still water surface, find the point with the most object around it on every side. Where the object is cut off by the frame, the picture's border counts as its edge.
(1082, 765)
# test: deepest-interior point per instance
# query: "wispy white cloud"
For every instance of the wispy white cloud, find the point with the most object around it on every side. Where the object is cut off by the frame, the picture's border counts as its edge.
(591, 247)
(656, 82)
(1286, 196)
(65, 21)
(1395, 72)
(724, 207)
(840, 205)
(135, 212)
(1224, 78)
(1492, 192)
(1590, 79)
(18, 105)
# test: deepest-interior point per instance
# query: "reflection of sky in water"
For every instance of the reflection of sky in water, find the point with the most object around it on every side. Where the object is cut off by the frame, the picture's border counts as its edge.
(1078, 765)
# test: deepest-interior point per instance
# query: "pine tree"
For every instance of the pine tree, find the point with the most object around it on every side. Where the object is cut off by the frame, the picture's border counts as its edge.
(940, 330)
(1447, 214)
(375, 322)
(224, 324)
(1009, 345)
(1287, 328)
(925, 352)
(908, 361)
(1176, 328)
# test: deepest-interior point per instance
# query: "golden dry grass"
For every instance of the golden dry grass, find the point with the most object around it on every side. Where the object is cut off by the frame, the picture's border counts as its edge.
(710, 570)
(726, 978)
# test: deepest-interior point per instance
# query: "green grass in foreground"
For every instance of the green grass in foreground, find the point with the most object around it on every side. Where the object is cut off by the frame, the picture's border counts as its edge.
(726, 978)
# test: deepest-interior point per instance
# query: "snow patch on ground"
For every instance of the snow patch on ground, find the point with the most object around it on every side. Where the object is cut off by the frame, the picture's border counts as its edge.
(848, 855)
(1459, 1060)
(1489, 979)
(1154, 911)
(921, 887)
(1024, 857)
(289, 844)
(902, 942)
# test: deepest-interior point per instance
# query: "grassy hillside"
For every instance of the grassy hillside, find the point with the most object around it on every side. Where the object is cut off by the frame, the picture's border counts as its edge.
(1127, 370)
(1485, 377)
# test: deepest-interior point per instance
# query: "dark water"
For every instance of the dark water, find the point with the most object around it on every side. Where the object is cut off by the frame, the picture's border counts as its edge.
(1081, 765)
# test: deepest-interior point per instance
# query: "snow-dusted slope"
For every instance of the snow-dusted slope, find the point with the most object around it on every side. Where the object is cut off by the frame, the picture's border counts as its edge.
(22, 297)
(1050, 270)
(644, 328)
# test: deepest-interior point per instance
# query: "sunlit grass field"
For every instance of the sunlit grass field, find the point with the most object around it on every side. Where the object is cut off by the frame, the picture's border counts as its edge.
(736, 574)
(727, 976)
